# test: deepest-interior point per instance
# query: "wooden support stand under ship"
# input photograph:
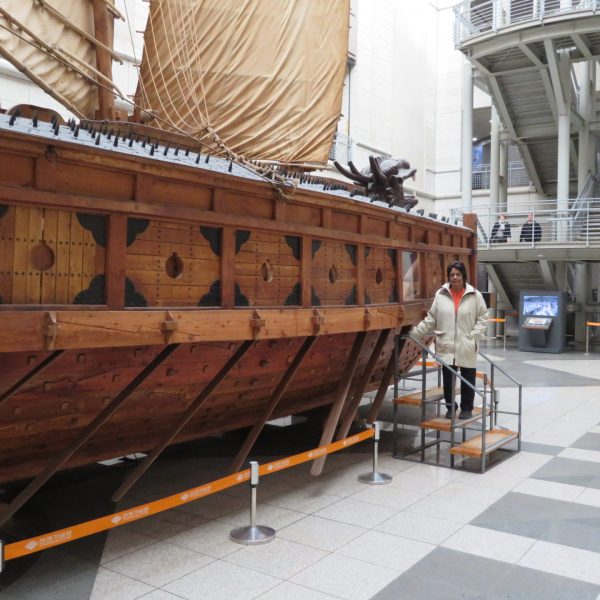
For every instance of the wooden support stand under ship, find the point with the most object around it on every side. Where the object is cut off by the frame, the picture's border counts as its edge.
(155, 290)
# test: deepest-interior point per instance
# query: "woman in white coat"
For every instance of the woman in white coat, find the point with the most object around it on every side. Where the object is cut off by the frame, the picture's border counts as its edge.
(459, 317)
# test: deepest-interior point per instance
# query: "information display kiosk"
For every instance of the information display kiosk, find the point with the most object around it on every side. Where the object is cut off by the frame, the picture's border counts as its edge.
(542, 321)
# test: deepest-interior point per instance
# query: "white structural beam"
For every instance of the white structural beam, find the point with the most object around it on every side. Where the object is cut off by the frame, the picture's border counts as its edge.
(503, 200)
(555, 76)
(548, 274)
(506, 119)
(563, 101)
(586, 108)
(467, 137)
(501, 291)
(495, 160)
(581, 42)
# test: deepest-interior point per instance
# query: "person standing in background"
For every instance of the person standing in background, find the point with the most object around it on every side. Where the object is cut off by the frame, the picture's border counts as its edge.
(500, 231)
(530, 230)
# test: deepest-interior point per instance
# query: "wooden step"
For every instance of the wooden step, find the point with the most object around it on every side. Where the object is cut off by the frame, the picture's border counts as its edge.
(443, 424)
(494, 439)
(414, 399)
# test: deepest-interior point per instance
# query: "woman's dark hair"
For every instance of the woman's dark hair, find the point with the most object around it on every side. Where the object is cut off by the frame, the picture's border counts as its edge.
(460, 266)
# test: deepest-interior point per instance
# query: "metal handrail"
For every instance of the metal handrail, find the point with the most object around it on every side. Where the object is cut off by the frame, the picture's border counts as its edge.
(425, 350)
(473, 17)
(517, 175)
(494, 366)
(443, 363)
(578, 223)
(500, 369)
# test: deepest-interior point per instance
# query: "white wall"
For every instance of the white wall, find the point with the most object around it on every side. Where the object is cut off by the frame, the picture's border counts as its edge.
(392, 88)
(404, 95)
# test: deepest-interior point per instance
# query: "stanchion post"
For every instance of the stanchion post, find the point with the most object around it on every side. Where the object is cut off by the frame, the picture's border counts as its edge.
(1, 556)
(587, 338)
(253, 533)
(375, 478)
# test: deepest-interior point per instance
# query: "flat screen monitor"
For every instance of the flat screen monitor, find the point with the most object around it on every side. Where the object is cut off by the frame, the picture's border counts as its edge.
(540, 306)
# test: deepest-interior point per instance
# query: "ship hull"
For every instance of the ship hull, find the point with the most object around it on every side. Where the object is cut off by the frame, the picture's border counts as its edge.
(111, 253)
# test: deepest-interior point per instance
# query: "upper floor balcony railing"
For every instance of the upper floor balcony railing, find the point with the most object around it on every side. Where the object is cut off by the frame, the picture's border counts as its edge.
(578, 225)
(477, 17)
(517, 175)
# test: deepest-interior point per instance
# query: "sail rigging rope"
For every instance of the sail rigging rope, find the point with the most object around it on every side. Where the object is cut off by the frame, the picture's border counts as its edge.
(175, 16)
(207, 135)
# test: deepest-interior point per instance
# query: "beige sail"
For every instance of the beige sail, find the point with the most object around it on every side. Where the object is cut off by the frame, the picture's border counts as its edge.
(52, 42)
(267, 75)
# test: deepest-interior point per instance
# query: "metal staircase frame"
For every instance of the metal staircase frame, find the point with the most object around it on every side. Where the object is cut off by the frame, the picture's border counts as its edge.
(456, 424)
(523, 53)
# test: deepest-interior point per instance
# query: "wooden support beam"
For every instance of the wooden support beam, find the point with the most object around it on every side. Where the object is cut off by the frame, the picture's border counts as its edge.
(10, 392)
(339, 397)
(383, 388)
(78, 329)
(282, 386)
(189, 413)
(352, 407)
(62, 458)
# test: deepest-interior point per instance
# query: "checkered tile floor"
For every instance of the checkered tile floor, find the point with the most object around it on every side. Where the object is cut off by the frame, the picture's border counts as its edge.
(528, 528)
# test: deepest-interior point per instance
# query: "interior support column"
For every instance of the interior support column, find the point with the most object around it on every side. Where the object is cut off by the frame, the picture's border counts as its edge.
(494, 166)
(564, 141)
(503, 193)
(585, 108)
(467, 138)
(582, 295)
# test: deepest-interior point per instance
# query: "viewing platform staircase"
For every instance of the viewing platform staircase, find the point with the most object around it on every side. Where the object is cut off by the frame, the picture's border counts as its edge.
(516, 47)
(472, 444)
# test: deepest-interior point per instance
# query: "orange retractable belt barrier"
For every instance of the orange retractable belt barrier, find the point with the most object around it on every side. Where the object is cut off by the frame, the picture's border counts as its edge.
(497, 320)
(62, 536)
(592, 324)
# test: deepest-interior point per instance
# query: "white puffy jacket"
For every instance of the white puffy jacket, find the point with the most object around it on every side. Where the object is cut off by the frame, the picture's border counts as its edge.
(462, 329)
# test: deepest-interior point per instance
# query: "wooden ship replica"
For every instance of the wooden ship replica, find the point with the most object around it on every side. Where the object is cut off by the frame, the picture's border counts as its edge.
(157, 285)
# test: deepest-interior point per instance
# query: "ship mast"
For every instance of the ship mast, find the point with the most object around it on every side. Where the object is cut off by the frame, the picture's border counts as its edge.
(103, 29)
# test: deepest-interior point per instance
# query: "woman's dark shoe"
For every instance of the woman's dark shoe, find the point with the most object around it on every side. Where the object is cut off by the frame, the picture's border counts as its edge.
(465, 414)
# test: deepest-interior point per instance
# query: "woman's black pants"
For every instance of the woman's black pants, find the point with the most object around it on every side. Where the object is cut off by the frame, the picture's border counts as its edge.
(467, 394)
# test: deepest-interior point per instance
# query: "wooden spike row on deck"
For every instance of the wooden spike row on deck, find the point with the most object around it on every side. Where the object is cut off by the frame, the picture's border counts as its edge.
(61, 459)
(339, 398)
(283, 384)
(189, 413)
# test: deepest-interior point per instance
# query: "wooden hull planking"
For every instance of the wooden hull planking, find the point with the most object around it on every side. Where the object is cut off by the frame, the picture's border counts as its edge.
(107, 258)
